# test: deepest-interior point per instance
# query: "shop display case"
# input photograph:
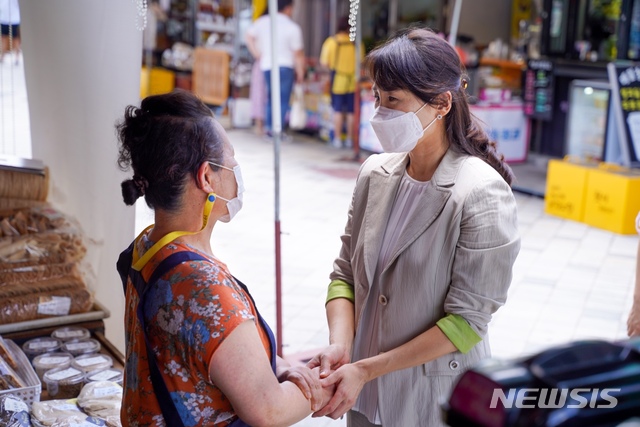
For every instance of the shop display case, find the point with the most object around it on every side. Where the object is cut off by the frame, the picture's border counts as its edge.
(587, 119)
(45, 300)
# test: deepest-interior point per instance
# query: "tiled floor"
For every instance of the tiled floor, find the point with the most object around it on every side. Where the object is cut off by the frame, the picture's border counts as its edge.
(570, 281)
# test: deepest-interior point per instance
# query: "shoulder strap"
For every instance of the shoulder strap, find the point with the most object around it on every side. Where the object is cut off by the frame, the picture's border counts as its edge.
(123, 265)
(168, 407)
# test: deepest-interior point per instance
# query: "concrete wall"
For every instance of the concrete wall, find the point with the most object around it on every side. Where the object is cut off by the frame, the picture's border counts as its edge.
(82, 67)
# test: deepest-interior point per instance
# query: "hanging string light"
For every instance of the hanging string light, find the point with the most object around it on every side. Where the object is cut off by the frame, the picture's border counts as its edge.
(353, 19)
(141, 14)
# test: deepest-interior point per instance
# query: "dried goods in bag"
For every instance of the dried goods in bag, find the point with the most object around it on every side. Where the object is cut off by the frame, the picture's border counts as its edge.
(14, 412)
(102, 399)
(61, 413)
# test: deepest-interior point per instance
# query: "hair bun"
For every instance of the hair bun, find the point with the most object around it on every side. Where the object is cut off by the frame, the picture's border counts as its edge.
(133, 189)
(141, 184)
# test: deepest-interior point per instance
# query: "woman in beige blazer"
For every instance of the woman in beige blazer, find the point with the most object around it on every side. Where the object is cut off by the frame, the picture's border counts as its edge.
(428, 248)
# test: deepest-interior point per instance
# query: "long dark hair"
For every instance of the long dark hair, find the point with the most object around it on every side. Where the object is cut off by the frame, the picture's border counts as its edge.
(420, 61)
(165, 141)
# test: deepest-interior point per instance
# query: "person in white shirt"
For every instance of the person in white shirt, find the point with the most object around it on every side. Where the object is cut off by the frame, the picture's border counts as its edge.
(9, 27)
(290, 55)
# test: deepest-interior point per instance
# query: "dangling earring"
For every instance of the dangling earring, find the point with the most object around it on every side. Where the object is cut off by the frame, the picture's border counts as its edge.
(211, 198)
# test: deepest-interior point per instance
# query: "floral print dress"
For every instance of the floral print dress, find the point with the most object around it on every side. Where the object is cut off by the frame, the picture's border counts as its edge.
(188, 312)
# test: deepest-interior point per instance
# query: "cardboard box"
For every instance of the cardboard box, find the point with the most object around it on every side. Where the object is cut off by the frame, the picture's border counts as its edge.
(156, 82)
(566, 188)
(613, 198)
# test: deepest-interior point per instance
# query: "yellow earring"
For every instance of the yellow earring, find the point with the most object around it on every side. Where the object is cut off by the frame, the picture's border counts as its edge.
(211, 198)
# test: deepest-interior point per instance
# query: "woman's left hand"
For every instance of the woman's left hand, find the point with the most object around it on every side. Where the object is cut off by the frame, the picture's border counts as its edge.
(348, 380)
(307, 380)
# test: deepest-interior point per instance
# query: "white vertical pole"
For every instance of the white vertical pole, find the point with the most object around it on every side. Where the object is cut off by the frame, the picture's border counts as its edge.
(392, 21)
(276, 129)
(333, 19)
(455, 21)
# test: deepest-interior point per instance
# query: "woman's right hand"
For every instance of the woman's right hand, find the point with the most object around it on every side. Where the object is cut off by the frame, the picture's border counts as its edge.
(330, 359)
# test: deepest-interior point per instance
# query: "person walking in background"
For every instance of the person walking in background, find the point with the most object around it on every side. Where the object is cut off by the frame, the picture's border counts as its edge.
(197, 351)
(338, 54)
(633, 323)
(257, 88)
(428, 248)
(10, 28)
(290, 56)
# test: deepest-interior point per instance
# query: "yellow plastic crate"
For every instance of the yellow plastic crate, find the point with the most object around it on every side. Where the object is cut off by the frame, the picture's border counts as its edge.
(613, 198)
(156, 82)
(566, 188)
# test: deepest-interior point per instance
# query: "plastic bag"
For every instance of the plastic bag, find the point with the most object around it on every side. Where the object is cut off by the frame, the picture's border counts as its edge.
(14, 412)
(102, 399)
(298, 115)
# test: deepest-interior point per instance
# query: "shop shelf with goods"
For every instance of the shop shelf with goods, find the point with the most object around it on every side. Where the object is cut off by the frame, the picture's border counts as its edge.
(317, 100)
(192, 28)
(46, 280)
(216, 24)
(181, 19)
(497, 90)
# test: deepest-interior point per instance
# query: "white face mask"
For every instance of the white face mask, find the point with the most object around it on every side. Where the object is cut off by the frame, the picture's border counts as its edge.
(397, 131)
(233, 205)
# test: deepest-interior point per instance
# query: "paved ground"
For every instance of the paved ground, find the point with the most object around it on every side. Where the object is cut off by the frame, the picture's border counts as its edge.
(570, 281)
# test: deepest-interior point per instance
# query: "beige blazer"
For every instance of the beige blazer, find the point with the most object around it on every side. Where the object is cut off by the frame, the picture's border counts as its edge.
(456, 256)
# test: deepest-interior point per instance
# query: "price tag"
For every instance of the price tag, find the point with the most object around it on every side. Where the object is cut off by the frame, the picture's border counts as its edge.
(104, 375)
(91, 361)
(42, 344)
(66, 373)
(107, 391)
(70, 334)
(52, 360)
(54, 306)
(14, 405)
(79, 345)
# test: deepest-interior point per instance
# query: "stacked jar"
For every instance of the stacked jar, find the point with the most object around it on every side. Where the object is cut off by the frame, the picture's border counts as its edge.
(66, 380)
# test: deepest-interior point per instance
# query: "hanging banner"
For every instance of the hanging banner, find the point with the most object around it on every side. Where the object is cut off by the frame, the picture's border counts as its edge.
(624, 78)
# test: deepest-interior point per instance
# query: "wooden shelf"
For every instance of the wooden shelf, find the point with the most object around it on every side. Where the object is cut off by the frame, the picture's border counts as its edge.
(502, 63)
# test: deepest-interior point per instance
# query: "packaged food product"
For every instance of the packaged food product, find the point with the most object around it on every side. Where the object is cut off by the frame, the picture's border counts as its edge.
(92, 362)
(41, 345)
(38, 273)
(111, 374)
(78, 347)
(102, 399)
(7, 354)
(47, 361)
(38, 236)
(68, 333)
(14, 412)
(63, 383)
(61, 413)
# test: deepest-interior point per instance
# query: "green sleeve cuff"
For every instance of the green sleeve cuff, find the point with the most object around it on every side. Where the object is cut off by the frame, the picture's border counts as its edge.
(340, 289)
(459, 332)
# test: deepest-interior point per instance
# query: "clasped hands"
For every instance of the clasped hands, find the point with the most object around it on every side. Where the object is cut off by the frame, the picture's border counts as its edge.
(329, 381)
